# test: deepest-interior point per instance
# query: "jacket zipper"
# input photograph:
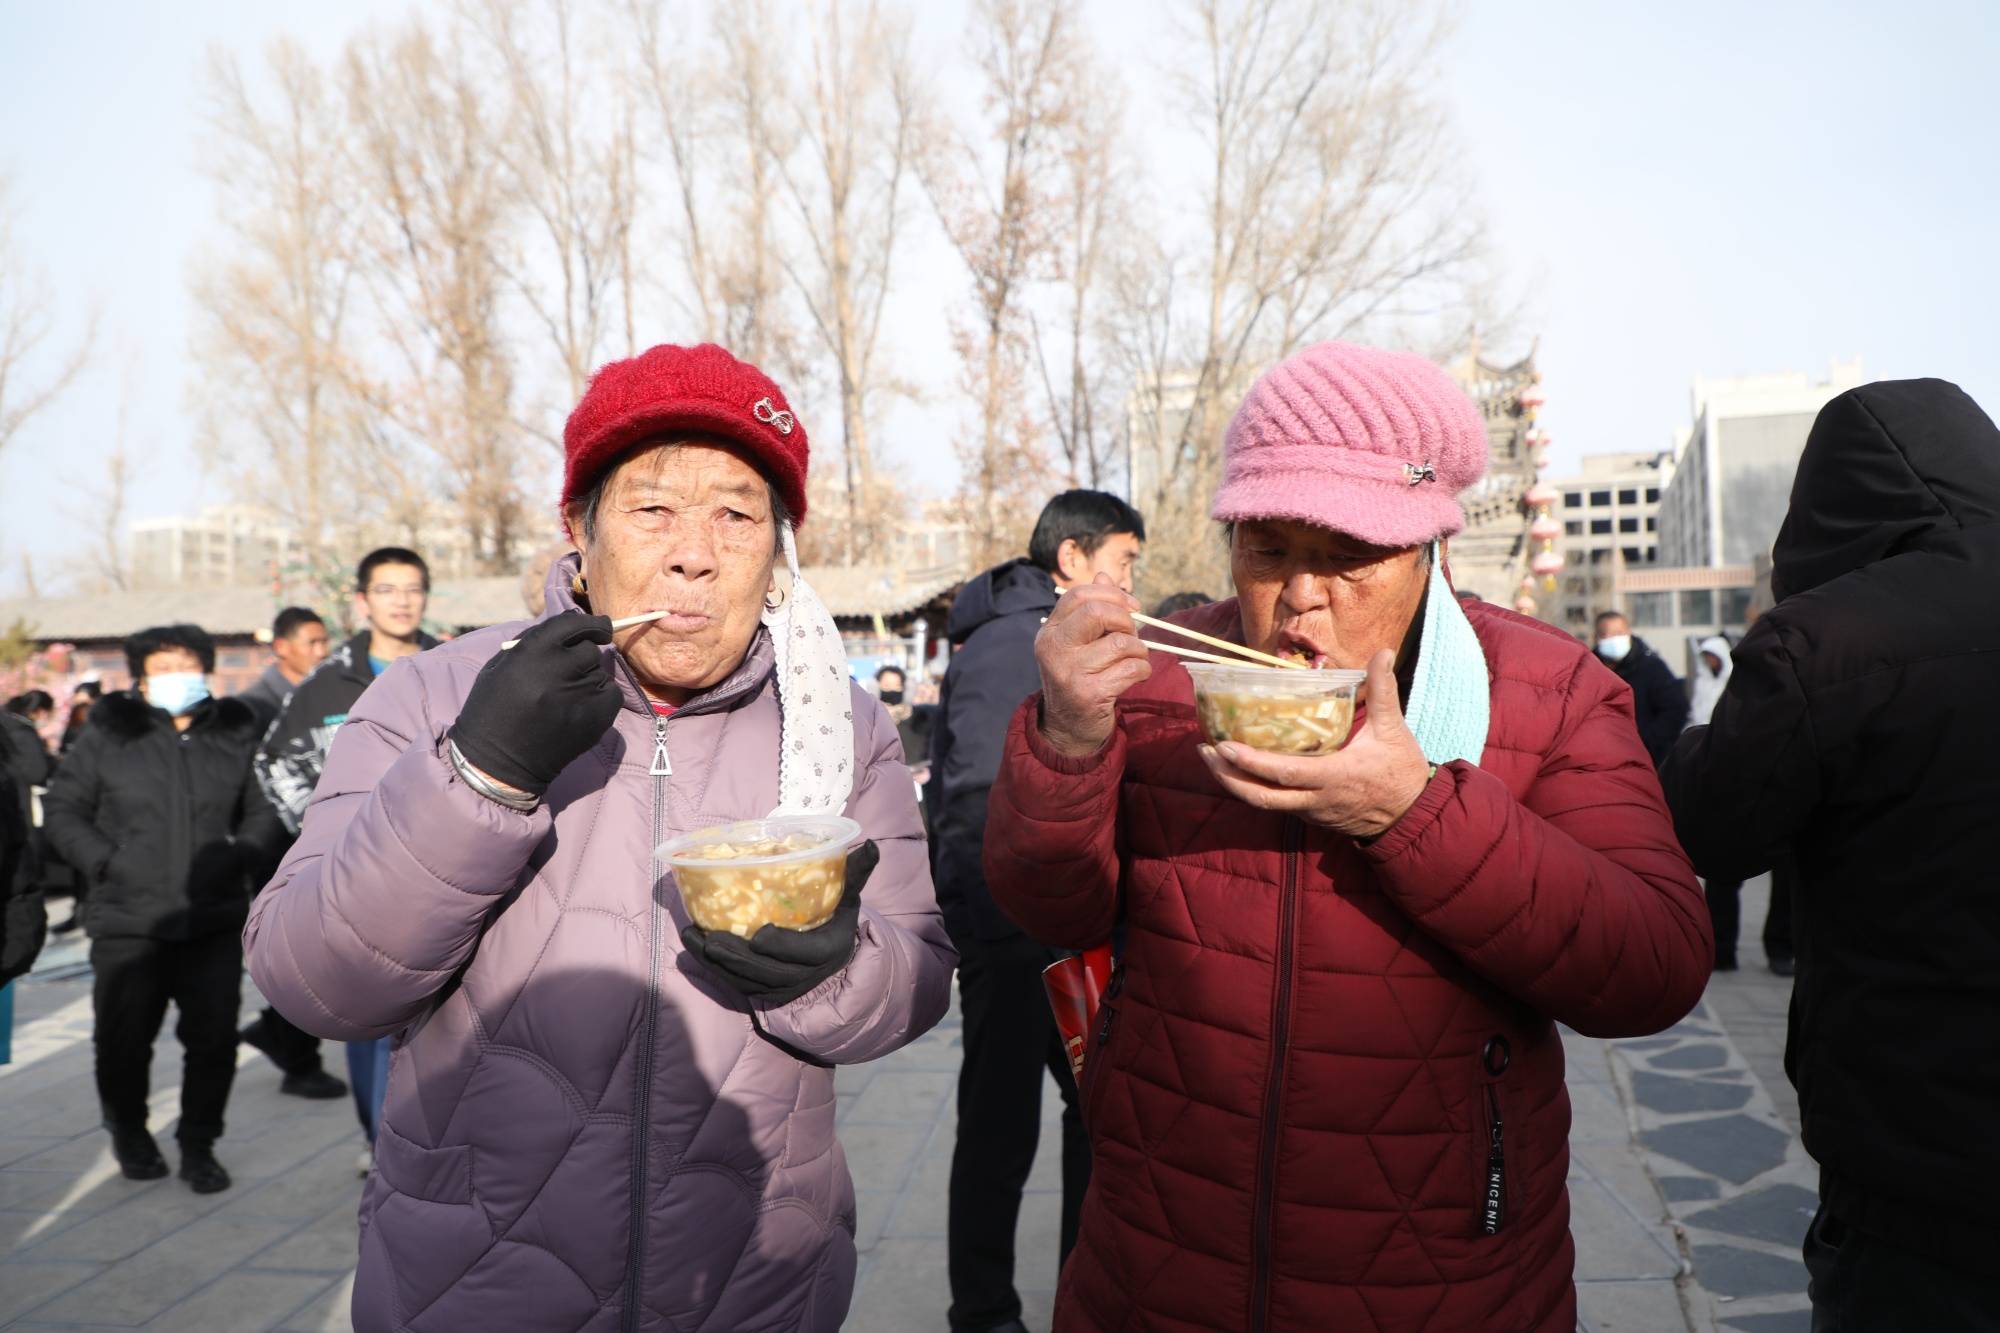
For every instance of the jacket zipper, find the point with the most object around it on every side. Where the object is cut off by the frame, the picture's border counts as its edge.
(635, 1258)
(1274, 1087)
(1493, 1062)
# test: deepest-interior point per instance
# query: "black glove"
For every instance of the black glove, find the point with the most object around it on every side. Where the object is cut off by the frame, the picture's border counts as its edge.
(777, 965)
(538, 705)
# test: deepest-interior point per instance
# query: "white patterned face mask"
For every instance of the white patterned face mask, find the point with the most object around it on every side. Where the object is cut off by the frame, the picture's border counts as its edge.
(815, 703)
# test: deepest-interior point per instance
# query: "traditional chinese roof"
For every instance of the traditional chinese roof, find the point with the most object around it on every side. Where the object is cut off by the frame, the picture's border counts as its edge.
(886, 590)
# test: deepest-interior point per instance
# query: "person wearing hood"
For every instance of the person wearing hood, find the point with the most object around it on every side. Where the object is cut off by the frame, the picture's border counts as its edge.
(1856, 737)
(1325, 1090)
(600, 1114)
(1010, 1032)
(1659, 704)
(157, 807)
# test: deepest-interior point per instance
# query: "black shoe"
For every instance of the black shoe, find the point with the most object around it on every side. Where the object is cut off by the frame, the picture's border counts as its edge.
(1783, 966)
(314, 1085)
(201, 1171)
(1726, 963)
(138, 1156)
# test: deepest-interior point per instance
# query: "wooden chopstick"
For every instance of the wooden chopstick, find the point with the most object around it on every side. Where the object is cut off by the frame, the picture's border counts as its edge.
(1198, 654)
(1262, 659)
(623, 622)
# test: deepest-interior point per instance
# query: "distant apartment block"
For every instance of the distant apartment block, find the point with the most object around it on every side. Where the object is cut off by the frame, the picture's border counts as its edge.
(1734, 464)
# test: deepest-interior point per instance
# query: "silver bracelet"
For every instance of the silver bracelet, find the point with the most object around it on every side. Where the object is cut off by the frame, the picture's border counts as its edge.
(525, 802)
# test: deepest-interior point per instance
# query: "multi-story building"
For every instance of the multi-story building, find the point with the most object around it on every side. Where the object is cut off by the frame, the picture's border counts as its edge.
(241, 546)
(224, 546)
(1734, 464)
(1610, 520)
(1675, 609)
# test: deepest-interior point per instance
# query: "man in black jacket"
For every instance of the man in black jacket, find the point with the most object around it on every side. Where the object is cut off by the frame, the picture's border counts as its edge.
(391, 590)
(158, 808)
(1857, 736)
(1010, 1033)
(1658, 700)
(298, 645)
(298, 642)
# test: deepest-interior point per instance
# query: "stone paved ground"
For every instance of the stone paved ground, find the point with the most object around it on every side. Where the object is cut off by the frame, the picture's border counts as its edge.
(1687, 1185)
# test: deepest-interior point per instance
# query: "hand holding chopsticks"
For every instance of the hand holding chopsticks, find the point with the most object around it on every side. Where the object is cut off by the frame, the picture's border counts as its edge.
(1247, 656)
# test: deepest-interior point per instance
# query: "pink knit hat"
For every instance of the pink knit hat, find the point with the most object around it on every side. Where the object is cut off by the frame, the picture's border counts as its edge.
(1369, 443)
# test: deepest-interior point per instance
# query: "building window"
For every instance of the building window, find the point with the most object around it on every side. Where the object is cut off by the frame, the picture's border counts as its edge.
(1572, 499)
(1735, 606)
(1652, 523)
(1650, 610)
(1628, 497)
(1652, 495)
(1634, 556)
(1600, 526)
(1628, 525)
(1697, 607)
(1576, 615)
(1573, 528)
(1600, 556)
(1600, 497)
(1652, 553)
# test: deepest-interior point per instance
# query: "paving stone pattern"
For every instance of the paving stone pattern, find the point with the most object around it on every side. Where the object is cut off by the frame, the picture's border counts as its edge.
(1664, 1244)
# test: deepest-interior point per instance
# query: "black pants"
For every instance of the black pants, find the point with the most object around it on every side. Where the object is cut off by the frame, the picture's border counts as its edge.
(292, 1051)
(135, 978)
(1010, 1038)
(1860, 1284)
(1725, 911)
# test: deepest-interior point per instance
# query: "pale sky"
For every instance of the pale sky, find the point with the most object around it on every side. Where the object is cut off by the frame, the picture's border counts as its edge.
(1709, 188)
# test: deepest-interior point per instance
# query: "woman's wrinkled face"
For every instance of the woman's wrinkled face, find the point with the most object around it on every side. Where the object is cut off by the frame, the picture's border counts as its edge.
(687, 529)
(1303, 589)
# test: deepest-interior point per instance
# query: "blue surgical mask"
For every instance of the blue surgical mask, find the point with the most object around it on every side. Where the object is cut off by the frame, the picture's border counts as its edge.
(176, 691)
(1614, 647)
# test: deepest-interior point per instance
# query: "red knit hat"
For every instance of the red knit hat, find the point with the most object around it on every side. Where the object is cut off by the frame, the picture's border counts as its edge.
(669, 390)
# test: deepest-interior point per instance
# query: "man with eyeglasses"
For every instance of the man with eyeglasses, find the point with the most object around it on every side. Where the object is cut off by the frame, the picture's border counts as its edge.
(391, 589)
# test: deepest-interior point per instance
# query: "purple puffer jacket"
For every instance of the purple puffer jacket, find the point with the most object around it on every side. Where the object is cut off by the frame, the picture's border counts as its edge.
(584, 1130)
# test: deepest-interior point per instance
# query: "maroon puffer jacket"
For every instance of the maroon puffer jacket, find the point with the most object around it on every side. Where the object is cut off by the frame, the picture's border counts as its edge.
(1296, 1088)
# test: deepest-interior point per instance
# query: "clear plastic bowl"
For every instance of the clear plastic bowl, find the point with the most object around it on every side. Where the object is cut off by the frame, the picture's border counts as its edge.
(1303, 712)
(786, 871)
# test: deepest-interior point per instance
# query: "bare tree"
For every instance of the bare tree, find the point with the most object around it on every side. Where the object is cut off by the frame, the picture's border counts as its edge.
(995, 190)
(1089, 213)
(434, 213)
(852, 124)
(567, 155)
(1329, 210)
(106, 492)
(272, 341)
(27, 322)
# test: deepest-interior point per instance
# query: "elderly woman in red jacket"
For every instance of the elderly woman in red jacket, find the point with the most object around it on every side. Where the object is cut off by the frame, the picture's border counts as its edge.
(1326, 1090)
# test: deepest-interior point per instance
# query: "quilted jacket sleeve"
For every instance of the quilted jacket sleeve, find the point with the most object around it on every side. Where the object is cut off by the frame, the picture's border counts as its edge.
(1576, 900)
(1052, 836)
(898, 983)
(384, 894)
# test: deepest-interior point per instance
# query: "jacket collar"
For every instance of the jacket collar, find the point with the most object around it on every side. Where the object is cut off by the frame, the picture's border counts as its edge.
(126, 715)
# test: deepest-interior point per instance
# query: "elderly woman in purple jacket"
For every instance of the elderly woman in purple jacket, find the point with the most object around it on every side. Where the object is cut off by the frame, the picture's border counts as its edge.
(601, 1117)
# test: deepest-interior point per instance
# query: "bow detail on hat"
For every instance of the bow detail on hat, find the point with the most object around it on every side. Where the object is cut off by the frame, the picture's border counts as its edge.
(1420, 472)
(765, 411)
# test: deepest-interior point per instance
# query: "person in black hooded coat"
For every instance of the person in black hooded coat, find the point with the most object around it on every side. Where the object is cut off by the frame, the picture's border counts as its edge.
(1010, 1032)
(1857, 737)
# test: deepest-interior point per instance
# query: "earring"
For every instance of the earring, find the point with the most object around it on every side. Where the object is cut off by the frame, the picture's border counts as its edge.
(774, 600)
